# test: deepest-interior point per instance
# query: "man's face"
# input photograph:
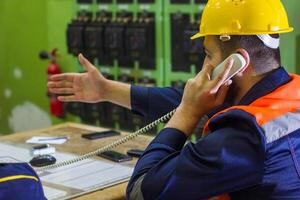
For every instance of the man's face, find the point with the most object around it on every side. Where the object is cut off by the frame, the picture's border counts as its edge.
(214, 57)
(212, 51)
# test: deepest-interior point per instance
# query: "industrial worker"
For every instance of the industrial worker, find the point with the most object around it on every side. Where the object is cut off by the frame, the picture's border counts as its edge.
(250, 147)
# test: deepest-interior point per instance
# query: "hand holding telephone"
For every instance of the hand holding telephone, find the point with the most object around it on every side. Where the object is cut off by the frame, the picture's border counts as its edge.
(238, 65)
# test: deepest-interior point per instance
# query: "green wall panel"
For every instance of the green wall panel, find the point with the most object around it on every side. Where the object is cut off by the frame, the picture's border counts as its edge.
(288, 42)
(23, 34)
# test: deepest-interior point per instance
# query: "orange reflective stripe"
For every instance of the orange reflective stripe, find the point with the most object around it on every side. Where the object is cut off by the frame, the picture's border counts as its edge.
(10, 178)
(288, 91)
(221, 197)
(224, 197)
(281, 101)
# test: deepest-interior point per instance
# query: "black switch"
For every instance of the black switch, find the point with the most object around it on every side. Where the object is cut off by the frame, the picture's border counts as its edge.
(106, 114)
(104, 1)
(114, 34)
(75, 37)
(114, 43)
(124, 1)
(201, 1)
(180, 1)
(146, 1)
(94, 39)
(74, 108)
(90, 113)
(140, 40)
(179, 22)
(75, 33)
(84, 1)
(135, 40)
(193, 49)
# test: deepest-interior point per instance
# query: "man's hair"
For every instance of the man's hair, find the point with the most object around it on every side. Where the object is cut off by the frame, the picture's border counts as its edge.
(262, 58)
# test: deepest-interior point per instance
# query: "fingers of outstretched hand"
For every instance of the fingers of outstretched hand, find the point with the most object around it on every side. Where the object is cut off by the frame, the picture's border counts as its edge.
(60, 84)
(85, 63)
(70, 98)
(63, 77)
(62, 90)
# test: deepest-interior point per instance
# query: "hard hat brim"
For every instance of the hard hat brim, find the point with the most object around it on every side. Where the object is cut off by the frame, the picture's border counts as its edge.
(198, 35)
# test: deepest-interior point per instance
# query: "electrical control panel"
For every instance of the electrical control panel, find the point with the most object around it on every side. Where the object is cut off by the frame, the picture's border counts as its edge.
(141, 42)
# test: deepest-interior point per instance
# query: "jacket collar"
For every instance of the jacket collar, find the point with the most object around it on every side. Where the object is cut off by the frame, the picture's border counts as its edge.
(269, 83)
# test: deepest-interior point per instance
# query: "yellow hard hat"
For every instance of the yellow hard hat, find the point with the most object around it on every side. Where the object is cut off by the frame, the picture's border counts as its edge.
(243, 17)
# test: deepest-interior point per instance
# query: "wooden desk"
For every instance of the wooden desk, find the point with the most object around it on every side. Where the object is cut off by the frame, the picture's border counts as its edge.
(81, 146)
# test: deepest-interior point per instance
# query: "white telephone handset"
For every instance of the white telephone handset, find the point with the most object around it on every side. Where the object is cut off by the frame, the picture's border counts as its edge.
(238, 65)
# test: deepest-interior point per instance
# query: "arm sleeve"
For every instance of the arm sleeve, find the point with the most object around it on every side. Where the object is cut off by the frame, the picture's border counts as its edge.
(154, 102)
(27, 186)
(228, 159)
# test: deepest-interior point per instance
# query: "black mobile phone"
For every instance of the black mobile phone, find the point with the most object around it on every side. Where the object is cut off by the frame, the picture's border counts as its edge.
(115, 156)
(135, 152)
(101, 134)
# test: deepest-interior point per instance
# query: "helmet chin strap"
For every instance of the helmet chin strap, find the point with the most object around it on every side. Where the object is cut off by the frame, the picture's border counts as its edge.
(269, 41)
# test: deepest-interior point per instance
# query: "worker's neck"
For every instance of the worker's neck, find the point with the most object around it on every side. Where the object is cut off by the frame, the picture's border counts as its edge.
(243, 84)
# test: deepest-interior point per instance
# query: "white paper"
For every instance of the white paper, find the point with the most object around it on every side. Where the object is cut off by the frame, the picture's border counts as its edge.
(8, 160)
(46, 140)
(13, 152)
(52, 193)
(88, 174)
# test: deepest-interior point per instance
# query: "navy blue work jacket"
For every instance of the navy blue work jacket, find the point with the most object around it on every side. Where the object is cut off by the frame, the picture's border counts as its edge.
(234, 158)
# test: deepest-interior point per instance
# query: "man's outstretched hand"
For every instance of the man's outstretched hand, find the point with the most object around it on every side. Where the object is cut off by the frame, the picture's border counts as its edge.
(87, 87)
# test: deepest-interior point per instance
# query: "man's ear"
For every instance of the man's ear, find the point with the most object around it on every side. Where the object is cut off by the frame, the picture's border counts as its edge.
(246, 56)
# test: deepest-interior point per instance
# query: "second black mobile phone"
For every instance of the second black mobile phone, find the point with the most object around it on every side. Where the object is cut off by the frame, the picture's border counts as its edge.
(101, 134)
(115, 156)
